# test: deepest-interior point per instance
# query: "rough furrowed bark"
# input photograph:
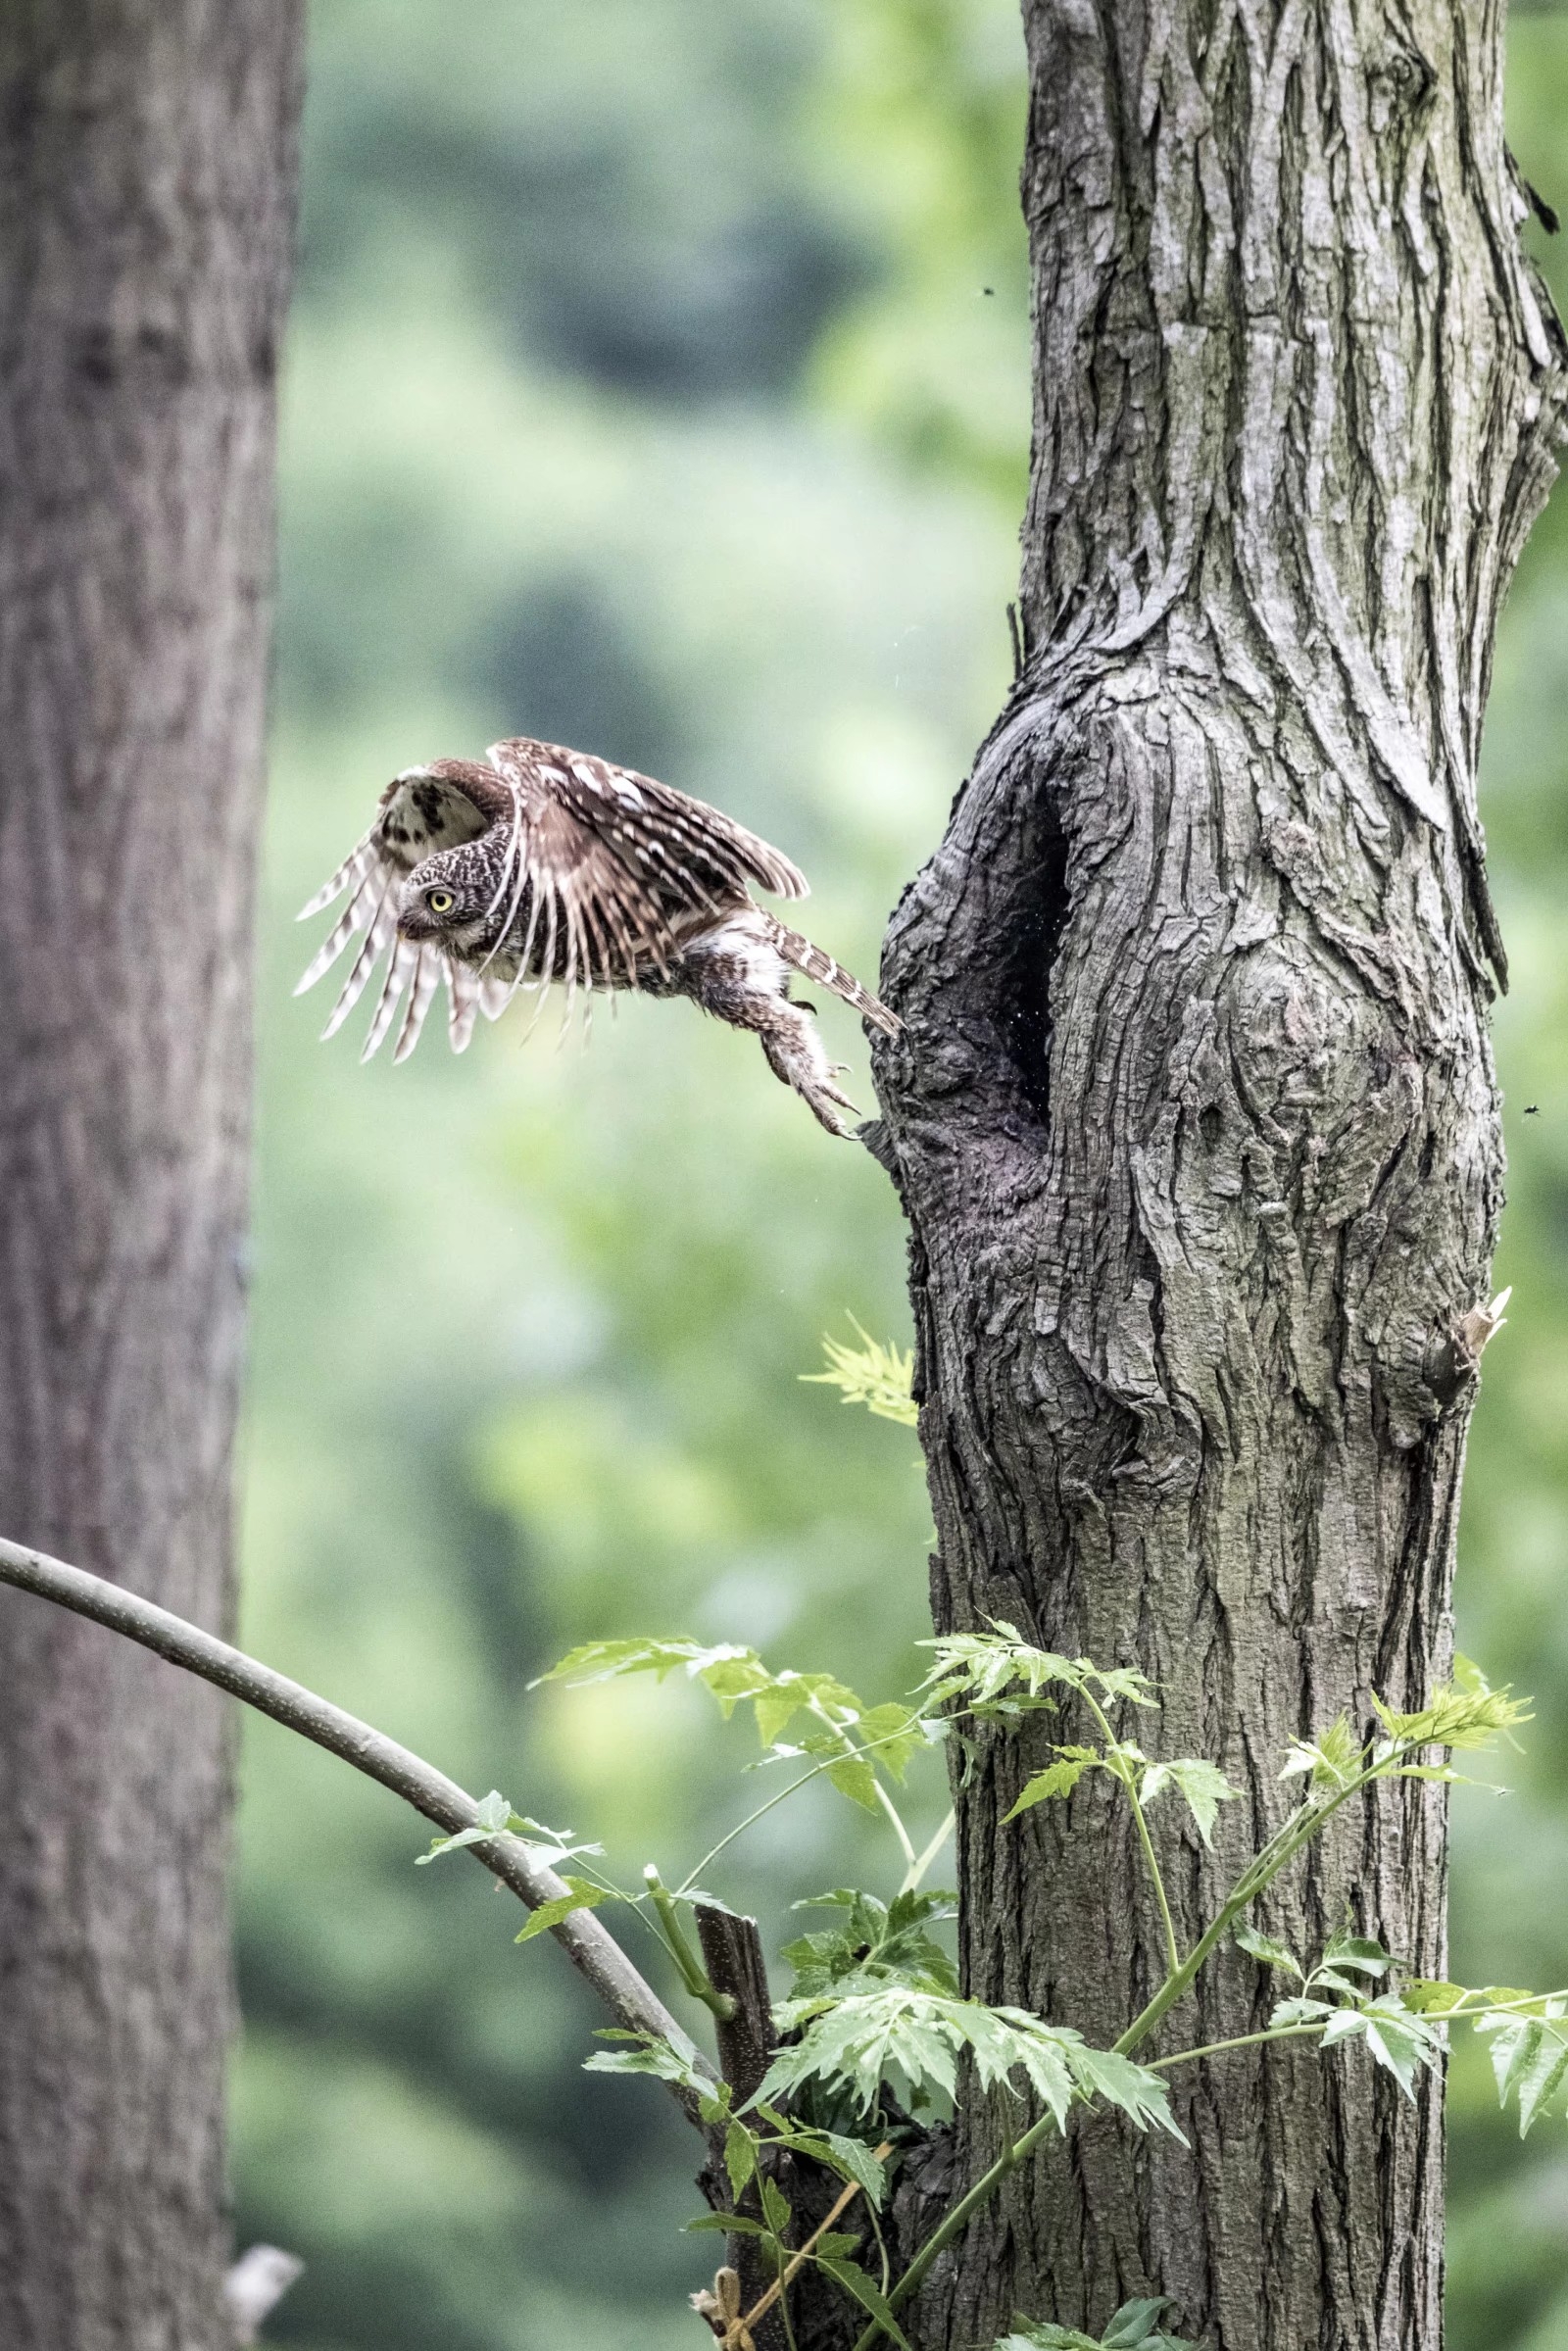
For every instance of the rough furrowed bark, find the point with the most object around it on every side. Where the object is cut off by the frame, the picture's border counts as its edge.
(1194, 1118)
(146, 170)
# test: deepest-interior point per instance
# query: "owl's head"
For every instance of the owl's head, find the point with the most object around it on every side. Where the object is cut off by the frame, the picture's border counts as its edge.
(449, 900)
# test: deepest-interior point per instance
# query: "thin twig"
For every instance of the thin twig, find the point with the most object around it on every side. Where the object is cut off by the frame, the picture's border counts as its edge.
(917, 1871)
(737, 2334)
(1240, 2041)
(1127, 1774)
(828, 1764)
(592, 1950)
(906, 1844)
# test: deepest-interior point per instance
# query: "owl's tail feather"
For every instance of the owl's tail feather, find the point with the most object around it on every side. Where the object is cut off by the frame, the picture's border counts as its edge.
(821, 967)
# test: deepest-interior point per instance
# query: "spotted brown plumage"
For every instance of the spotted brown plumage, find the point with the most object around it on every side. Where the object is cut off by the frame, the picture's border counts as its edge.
(539, 864)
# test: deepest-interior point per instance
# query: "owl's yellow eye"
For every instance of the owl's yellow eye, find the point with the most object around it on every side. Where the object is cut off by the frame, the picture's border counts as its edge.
(440, 901)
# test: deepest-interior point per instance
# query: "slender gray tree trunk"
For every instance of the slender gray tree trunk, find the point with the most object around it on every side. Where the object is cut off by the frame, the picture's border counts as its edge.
(1195, 1118)
(146, 173)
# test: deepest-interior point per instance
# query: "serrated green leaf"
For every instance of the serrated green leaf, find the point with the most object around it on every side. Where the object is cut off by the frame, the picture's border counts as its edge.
(1395, 2037)
(854, 1778)
(1046, 2337)
(1202, 1786)
(855, 2282)
(851, 2158)
(1005, 2040)
(858, 2040)
(1358, 1951)
(1043, 2337)
(1330, 1761)
(775, 1709)
(1399, 2041)
(1133, 2323)
(1464, 1713)
(648, 2053)
(874, 1374)
(584, 1895)
(606, 1660)
(984, 1666)
(698, 1897)
(537, 1833)
(1123, 1682)
(1264, 1947)
(1059, 1778)
(894, 1731)
(1526, 2056)
(1139, 2095)
(494, 1814)
(730, 1674)
(916, 1908)
(1518, 2005)
(730, 2223)
(1426, 1995)
(1540, 2082)
(740, 2156)
(1301, 2011)
(776, 2210)
(735, 1675)
(453, 1844)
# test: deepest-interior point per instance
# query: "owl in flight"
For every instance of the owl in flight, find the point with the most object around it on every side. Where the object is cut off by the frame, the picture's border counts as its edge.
(538, 863)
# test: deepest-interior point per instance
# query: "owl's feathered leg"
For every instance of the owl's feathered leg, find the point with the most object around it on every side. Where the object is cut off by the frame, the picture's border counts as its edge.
(735, 973)
(795, 1053)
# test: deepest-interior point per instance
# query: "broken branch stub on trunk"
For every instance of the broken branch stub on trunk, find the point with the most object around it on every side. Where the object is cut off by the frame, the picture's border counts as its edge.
(1193, 1115)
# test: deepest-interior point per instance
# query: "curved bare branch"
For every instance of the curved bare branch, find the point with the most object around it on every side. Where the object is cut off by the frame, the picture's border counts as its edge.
(592, 1950)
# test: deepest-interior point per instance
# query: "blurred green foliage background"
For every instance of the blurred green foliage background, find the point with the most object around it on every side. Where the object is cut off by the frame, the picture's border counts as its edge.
(659, 384)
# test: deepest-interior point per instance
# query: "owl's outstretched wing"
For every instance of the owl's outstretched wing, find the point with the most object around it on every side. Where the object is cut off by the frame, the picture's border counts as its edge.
(420, 811)
(676, 844)
(604, 870)
(615, 867)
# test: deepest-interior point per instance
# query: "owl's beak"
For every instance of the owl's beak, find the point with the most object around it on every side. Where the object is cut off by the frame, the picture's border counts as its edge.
(414, 916)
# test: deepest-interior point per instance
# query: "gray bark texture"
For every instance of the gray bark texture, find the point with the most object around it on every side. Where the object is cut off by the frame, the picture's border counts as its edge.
(146, 174)
(1195, 1118)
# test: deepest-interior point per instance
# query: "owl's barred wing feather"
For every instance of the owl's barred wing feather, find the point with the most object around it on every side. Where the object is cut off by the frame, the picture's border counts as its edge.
(420, 811)
(467, 996)
(615, 868)
(354, 868)
(665, 840)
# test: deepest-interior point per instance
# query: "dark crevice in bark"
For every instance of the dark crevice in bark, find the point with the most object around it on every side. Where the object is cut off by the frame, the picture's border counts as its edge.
(1025, 955)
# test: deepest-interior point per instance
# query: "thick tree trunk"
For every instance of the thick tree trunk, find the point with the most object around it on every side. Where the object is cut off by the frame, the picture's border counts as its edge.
(146, 168)
(1195, 1118)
